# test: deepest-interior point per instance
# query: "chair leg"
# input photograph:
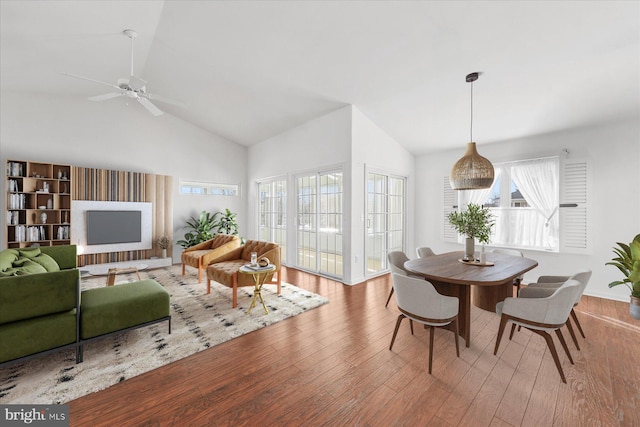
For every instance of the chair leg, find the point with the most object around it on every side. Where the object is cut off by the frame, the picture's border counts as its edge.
(411, 323)
(431, 333)
(573, 335)
(503, 323)
(552, 348)
(456, 334)
(234, 300)
(390, 295)
(395, 331)
(564, 345)
(183, 268)
(575, 318)
(208, 285)
(513, 329)
(199, 270)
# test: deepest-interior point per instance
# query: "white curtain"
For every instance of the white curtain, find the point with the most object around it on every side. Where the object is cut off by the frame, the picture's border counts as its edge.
(478, 197)
(537, 181)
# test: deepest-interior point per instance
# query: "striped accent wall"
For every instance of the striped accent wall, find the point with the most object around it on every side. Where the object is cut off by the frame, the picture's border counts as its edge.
(120, 186)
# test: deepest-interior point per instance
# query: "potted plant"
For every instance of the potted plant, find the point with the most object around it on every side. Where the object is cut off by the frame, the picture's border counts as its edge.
(475, 223)
(628, 262)
(226, 222)
(163, 243)
(202, 228)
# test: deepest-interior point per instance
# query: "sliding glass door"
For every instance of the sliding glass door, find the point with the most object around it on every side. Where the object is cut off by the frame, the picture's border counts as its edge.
(319, 213)
(385, 219)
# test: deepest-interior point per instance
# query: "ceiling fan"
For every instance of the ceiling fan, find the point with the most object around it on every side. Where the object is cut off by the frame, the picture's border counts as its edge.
(133, 87)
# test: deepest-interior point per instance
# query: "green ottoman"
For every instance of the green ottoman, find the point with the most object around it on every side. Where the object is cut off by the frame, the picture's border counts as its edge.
(104, 311)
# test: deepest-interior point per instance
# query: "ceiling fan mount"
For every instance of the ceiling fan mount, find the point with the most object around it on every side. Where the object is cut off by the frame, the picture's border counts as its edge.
(132, 87)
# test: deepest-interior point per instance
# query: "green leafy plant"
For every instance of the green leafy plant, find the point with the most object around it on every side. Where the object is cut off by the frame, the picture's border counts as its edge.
(476, 222)
(226, 222)
(202, 228)
(628, 262)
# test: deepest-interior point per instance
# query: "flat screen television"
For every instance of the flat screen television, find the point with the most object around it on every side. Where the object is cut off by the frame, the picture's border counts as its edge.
(108, 227)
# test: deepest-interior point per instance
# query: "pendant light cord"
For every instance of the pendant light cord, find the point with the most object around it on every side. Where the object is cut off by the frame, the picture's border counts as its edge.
(471, 127)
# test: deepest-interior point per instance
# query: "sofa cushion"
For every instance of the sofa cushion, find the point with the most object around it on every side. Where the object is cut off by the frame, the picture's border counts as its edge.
(37, 334)
(27, 266)
(112, 308)
(222, 272)
(256, 246)
(47, 262)
(29, 252)
(6, 258)
(56, 292)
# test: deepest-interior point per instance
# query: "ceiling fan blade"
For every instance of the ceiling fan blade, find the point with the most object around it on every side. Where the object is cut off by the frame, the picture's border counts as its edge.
(136, 83)
(91, 80)
(149, 106)
(105, 96)
(165, 100)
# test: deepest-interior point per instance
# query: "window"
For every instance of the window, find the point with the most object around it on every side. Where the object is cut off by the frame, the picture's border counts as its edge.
(539, 204)
(385, 219)
(319, 223)
(272, 224)
(524, 201)
(204, 188)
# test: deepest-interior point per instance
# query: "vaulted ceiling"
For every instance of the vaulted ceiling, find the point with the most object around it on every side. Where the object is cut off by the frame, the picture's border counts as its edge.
(249, 70)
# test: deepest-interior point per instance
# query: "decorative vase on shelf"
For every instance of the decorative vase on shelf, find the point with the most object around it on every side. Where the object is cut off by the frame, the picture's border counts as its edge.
(469, 248)
(164, 253)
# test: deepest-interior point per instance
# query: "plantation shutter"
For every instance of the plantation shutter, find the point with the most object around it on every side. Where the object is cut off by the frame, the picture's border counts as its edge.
(575, 187)
(450, 204)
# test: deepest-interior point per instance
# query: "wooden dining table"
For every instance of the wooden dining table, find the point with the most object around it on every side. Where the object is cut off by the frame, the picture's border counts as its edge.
(485, 285)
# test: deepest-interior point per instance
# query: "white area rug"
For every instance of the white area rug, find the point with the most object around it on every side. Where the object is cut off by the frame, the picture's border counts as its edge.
(198, 321)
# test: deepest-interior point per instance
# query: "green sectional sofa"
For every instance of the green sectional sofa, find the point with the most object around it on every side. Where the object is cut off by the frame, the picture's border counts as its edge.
(38, 310)
(41, 309)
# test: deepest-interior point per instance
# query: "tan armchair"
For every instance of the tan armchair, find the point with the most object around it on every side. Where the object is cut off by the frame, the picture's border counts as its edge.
(202, 254)
(225, 269)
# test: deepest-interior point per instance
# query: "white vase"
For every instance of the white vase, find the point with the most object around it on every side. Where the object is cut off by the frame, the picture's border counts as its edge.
(634, 308)
(469, 248)
(164, 253)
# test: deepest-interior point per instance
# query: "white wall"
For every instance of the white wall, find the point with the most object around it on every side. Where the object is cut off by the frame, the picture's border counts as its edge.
(373, 148)
(614, 151)
(345, 138)
(319, 144)
(111, 135)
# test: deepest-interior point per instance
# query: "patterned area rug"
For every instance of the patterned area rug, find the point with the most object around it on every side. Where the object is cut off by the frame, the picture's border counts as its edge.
(198, 321)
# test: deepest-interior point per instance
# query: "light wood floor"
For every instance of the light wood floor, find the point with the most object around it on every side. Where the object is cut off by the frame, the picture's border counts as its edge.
(332, 366)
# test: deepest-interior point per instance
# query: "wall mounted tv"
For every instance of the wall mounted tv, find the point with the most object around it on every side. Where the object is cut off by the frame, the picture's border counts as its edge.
(107, 227)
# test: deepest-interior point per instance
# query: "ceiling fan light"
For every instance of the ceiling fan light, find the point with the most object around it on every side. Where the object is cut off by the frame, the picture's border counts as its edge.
(472, 171)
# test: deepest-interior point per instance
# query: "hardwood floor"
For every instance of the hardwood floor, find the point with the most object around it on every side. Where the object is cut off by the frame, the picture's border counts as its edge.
(332, 366)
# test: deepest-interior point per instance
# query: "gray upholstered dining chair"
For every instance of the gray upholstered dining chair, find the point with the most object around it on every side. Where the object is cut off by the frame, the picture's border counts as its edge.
(541, 316)
(546, 285)
(513, 252)
(419, 301)
(424, 251)
(396, 265)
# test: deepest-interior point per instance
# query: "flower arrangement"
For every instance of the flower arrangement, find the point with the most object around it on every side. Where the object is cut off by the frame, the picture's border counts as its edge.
(163, 242)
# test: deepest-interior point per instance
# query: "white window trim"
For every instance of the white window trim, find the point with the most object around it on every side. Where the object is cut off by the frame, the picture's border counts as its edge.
(210, 189)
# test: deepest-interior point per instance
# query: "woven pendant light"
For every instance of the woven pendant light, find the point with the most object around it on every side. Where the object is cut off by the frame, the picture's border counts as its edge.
(472, 171)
